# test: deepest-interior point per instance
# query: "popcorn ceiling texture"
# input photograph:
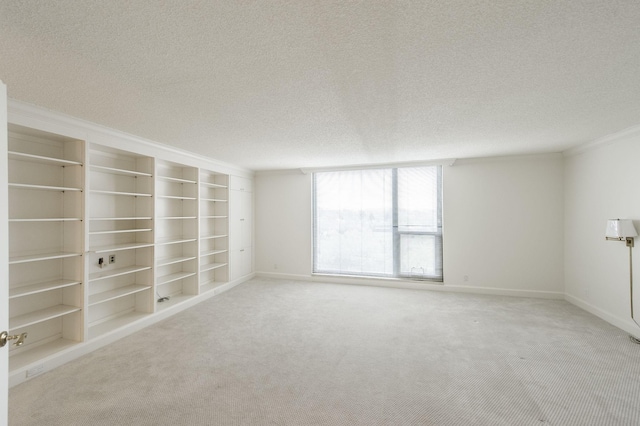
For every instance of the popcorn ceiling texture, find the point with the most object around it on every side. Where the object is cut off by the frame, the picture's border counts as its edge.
(286, 84)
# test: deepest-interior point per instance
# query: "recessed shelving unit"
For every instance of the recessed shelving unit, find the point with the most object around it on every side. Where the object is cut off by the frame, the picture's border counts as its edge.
(120, 239)
(176, 240)
(105, 231)
(214, 229)
(46, 242)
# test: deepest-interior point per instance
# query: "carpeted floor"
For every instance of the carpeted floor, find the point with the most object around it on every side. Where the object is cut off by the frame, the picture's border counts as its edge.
(273, 352)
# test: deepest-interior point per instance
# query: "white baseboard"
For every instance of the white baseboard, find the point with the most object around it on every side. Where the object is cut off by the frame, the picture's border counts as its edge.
(625, 324)
(83, 348)
(413, 285)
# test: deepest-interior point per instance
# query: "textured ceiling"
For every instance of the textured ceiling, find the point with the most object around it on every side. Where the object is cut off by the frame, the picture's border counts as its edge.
(286, 84)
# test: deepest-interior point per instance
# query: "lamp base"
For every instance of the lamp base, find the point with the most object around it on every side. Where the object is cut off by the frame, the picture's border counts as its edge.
(634, 339)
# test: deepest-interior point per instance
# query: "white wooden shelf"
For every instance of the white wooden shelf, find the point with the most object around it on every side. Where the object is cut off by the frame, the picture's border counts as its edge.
(40, 287)
(40, 256)
(120, 231)
(214, 217)
(127, 194)
(98, 328)
(212, 185)
(96, 276)
(166, 279)
(122, 218)
(215, 200)
(178, 180)
(117, 171)
(175, 197)
(105, 296)
(119, 247)
(211, 285)
(174, 240)
(211, 266)
(14, 155)
(173, 260)
(26, 355)
(44, 187)
(48, 219)
(212, 252)
(174, 300)
(211, 237)
(177, 217)
(41, 315)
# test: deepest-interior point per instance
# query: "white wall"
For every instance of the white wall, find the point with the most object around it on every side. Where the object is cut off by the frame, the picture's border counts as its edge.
(601, 182)
(503, 225)
(283, 223)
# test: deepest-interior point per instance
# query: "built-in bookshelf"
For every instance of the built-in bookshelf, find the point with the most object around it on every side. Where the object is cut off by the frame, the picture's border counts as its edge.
(120, 239)
(108, 234)
(46, 228)
(214, 230)
(176, 258)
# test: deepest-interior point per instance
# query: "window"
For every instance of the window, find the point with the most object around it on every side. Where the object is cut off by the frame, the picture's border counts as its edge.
(379, 222)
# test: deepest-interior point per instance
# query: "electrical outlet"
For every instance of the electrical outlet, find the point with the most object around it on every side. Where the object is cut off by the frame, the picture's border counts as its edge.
(38, 369)
(112, 259)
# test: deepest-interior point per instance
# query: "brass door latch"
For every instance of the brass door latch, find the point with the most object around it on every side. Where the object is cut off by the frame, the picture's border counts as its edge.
(19, 338)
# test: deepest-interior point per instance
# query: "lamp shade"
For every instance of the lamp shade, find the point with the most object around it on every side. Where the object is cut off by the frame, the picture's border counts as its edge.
(620, 228)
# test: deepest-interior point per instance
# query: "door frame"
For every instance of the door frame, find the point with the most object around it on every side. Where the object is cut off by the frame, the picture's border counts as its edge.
(4, 255)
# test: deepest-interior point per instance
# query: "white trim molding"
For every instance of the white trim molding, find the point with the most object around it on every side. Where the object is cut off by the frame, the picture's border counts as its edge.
(412, 285)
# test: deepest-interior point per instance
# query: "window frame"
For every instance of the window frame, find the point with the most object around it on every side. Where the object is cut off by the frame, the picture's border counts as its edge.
(397, 233)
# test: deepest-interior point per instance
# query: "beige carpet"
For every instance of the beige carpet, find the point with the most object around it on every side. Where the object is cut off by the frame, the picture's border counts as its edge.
(286, 353)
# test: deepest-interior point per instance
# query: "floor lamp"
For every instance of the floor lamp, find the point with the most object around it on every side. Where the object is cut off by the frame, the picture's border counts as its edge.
(623, 230)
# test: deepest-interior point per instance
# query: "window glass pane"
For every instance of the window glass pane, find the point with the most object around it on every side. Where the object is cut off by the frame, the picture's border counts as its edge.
(383, 222)
(418, 199)
(354, 232)
(418, 255)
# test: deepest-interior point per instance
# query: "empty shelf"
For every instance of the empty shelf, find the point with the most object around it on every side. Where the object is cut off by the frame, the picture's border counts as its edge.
(211, 285)
(43, 187)
(40, 287)
(48, 219)
(213, 185)
(105, 296)
(173, 179)
(212, 252)
(120, 231)
(211, 266)
(174, 240)
(173, 277)
(99, 328)
(129, 194)
(215, 200)
(117, 272)
(122, 218)
(40, 316)
(28, 354)
(172, 260)
(176, 197)
(117, 171)
(120, 247)
(13, 155)
(177, 217)
(41, 256)
(209, 237)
